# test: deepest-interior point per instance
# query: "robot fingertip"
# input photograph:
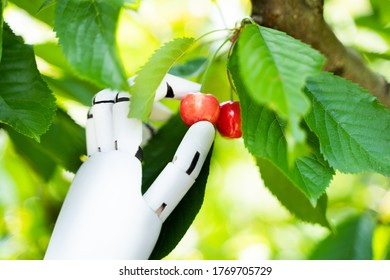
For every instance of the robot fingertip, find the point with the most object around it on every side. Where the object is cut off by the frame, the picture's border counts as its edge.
(89, 114)
(203, 130)
(104, 96)
(122, 97)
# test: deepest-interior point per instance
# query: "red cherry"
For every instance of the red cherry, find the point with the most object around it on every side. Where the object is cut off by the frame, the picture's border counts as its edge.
(229, 121)
(195, 107)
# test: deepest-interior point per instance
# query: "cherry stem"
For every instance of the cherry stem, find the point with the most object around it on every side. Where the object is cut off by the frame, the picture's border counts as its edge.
(233, 39)
(210, 62)
(232, 87)
(194, 45)
(212, 32)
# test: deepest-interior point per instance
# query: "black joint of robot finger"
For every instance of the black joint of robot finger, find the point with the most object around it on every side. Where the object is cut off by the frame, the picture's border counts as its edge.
(170, 93)
(193, 163)
(102, 101)
(89, 115)
(121, 99)
(151, 129)
(139, 154)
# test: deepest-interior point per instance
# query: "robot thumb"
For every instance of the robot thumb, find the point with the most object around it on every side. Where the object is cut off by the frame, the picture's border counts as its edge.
(179, 175)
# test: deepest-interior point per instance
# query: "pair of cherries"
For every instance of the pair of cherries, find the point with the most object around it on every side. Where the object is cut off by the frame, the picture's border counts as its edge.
(195, 107)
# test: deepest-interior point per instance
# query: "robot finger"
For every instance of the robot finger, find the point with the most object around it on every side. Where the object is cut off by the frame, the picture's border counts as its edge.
(148, 131)
(92, 146)
(101, 115)
(127, 131)
(175, 87)
(172, 87)
(180, 174)
(194, 147)
(160, 112)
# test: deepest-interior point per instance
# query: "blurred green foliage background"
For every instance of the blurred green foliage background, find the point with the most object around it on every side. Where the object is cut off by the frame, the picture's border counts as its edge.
(239, 219)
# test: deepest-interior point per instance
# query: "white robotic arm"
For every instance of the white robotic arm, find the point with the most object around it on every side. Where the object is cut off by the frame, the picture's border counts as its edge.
(105, 215)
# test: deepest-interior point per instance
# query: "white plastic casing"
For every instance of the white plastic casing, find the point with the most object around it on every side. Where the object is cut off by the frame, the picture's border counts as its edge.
(179, 86)
(127, 131)
(179, 175)
(102, 115)
(92, 146)
(105, 217)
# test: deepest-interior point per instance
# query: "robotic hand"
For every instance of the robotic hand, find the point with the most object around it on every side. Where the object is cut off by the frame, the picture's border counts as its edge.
(104, 215)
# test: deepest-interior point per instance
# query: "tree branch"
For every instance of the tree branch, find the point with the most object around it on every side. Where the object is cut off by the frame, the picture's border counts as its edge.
(303, 20)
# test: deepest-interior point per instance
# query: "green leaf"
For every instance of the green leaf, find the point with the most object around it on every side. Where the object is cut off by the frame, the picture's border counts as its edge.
(375, 55)
(381, 9)
(352, 241)
(373, 22)
(132, 4)
(32, 152)
(290, 197)
(26, 103)
(86, 32)
(381, 241)
(378, 19)
(190, 68)
(72, 88)
(274, 67)
(264, 136)
(47, 4)
(51, 52)
(68, 85)
(352, 126)
(63, 144)
(152, 73)
(37, 9)
(1, 28)
(157, 154)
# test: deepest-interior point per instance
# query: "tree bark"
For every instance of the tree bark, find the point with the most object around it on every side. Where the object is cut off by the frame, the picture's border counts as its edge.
(303, 20)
